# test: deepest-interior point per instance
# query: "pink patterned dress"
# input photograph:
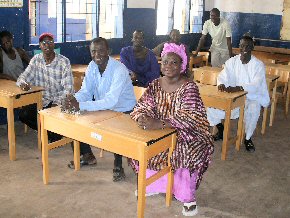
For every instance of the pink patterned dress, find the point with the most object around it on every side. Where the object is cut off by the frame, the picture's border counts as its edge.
(184, 109)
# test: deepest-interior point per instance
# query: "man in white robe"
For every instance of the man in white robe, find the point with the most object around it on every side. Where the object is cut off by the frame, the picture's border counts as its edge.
(242, 72)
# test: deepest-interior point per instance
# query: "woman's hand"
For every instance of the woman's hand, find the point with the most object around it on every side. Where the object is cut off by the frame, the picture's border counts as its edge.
(146, 122)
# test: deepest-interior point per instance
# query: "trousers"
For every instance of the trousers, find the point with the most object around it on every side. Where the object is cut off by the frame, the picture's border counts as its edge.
(251, 116)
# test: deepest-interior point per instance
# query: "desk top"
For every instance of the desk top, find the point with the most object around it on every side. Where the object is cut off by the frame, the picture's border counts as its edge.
(125, 126)
(110, 121)
(208, 68)
(79, 68)
(271, 78)
(9, 88)
(212, 91)
(87, 117)
(278, 66)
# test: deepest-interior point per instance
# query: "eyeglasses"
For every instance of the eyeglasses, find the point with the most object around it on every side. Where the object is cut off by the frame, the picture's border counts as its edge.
(47, 42)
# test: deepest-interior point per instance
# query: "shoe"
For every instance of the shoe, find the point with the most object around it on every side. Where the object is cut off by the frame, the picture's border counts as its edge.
(88, 159)
(220, 134)
(118, 174)
(147, 194)
(189, 209)
(250, 147)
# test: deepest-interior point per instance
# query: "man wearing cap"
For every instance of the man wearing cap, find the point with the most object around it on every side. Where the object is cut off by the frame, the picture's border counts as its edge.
(52, 72)
(11, 59)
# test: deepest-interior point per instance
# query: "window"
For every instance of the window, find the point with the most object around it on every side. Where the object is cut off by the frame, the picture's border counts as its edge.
(76, 20)
(111, 18)
(184, 15)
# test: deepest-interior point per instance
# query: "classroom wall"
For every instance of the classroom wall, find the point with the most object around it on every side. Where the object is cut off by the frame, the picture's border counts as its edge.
(136, 16)
(262, 18)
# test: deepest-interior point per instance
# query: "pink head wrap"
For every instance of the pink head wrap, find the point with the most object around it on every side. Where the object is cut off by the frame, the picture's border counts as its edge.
(177, 49)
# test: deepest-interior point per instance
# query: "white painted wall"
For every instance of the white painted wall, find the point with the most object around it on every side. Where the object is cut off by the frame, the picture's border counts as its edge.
(141, 4)
(246, 6)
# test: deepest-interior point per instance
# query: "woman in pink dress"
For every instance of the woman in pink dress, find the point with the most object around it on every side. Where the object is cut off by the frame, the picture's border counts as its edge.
(174, 101)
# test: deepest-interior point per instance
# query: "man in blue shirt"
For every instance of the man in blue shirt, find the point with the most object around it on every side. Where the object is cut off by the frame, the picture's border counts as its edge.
(106, 86)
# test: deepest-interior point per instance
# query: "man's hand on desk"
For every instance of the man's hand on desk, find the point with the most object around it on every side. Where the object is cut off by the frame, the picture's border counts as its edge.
(230, 89)
(25, 86)
(70, 104)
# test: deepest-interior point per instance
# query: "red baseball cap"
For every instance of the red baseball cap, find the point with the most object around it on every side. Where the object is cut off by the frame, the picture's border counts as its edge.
(43, 35)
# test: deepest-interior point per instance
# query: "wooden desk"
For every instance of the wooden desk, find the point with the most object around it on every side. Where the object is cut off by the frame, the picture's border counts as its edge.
(11, 96)
(211, 97)
(272, 85)
(195, 60)
(283, 81)
(266, 55)
(116, 56)
(114, 132)
(78, 71)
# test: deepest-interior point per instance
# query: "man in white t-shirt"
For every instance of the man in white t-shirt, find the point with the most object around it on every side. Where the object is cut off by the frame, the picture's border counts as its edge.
(221, 33)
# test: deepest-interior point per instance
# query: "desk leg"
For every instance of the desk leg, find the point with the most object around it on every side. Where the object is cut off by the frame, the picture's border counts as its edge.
(141, 187)
(44, 151)
(226, 133)
(240, 132)
(77, 155)
(11, 132)
(287, 98)
(170, 174)
(39, 107)
(273, 104)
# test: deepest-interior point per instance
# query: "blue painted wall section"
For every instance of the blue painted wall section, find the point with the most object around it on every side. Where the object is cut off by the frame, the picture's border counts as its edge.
(265, 26)
(78, 52)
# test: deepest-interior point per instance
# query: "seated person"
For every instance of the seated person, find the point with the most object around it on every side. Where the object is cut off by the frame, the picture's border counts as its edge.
(175, 37)
(108, 83)
(11, 59)
(173, 101)
(52, 72)
(140, 61)
(243, 72)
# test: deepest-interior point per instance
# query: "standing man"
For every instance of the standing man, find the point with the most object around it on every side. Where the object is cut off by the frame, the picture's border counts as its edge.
(221, 33)
(140, 61)
(51, 71)
(11, 59)
(106, 86)
(244, 72)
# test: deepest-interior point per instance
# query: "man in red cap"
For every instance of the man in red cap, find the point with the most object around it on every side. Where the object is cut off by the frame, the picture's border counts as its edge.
(51, 71)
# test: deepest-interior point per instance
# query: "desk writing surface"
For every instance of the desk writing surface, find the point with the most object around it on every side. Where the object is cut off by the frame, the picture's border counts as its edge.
(79, 68)
(127, 127)
(212, 91)
(9, 88)
(88, 118)
(271, 78)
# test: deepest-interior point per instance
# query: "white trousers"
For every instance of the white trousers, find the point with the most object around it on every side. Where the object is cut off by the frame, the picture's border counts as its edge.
(218, 57)
(251, 116)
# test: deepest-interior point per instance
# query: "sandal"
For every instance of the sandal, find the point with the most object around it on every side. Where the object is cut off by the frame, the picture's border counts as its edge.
(189, 209)
(118, 174)
(86, 160)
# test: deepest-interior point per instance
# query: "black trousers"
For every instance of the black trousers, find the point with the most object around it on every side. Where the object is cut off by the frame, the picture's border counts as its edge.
(28, 115)
(86, 148)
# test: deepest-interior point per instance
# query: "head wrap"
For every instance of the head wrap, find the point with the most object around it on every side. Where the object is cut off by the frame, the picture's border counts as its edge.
(177, 49)
(43, 35)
